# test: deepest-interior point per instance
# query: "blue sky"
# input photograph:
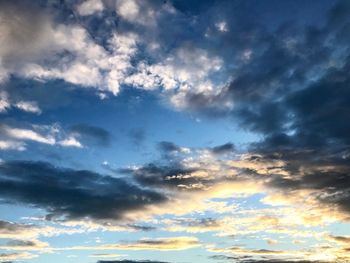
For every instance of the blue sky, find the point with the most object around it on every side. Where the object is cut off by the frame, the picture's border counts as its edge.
(174, 131)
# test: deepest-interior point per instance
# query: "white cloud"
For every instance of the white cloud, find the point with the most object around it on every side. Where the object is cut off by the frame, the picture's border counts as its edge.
(93, 66)
(221, 26)
(128, 9)
(187, 68)
(12, 145)
(71, 142)
(28, 106)
(51, 135)
(4, 102)
(25, 134)
(68, 52)
(90, 7)
(139, 12)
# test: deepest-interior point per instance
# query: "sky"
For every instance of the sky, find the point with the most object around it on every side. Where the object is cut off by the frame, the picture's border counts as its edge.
(174, 131)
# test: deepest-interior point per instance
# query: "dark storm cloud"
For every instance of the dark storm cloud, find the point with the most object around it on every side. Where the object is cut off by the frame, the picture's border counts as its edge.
(317, 150)
(71, 194)
(92, 134)
(292, 89)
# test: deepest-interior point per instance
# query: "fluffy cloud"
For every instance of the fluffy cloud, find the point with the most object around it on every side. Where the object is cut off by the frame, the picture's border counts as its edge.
(90, 7)
(27, 106)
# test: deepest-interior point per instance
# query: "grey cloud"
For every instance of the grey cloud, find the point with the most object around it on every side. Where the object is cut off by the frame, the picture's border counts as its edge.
(162, 175)
(168, 147)
(92, 134)
(71, 194)
(130, 261)
(247, 259)
(26, 36)
(293, 92)
(223, 149)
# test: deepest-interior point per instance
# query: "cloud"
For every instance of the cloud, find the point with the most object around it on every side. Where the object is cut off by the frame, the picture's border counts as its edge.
(27, 245)
(130, 261)
(72, 194)
(240, 254)
(343, 240)
(109, 57)
(285, 82)
(247, 260)
(91, 134)
(26, 134)
(11, 230)
(168, 147)
(170, 150)
(12, 145)
(161, 244)
(90, 7)
(9, 257)
(194, 225)
(102, 255)
(30, 232)
(4, 102)
(71, 142)
(28, 106)
(14, 138)
(168, 243)
(68, 51)
(289, 86)
(223, 149)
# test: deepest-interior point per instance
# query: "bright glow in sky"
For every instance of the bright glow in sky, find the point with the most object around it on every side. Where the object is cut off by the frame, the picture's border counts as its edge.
(174, 131)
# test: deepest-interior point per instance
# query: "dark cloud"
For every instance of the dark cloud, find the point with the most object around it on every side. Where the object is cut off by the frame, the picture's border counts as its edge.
(130, 261)
(292, 90)
(169, 151)
(160, 176)
(71, 194)
(317, 146)
(223, 149)
(280, 261)
(92, 134)
(168, 147)
(142, 227)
